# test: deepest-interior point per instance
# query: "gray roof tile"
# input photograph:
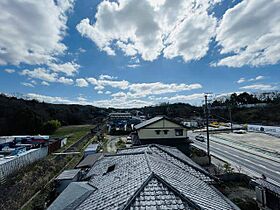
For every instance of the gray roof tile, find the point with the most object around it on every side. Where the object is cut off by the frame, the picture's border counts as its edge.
(151, 177)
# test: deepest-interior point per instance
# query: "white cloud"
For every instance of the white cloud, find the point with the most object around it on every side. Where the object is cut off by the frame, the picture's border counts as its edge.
(33, 82)
(241, 80)
(108, 77)
(108, 92)
(40, 73)
(45, 83)
(100, 92)
(138, 90)
(49, 99)
(10, 71)
(263, 87)
(65, 81)
(122, 103)
(150, 28)
(46, 75)
(69, 68)
(259, 77)
(27, 84)
(250, 30)
(101, 83)
(99, 87)
(119, 95)
(81, 82)
(185, 98)
(32, 31)
(133, 65)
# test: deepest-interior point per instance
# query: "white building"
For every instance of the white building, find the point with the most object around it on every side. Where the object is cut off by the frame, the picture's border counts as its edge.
(160, 130)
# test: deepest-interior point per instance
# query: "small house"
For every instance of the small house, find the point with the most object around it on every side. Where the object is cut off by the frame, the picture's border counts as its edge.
(161, 130)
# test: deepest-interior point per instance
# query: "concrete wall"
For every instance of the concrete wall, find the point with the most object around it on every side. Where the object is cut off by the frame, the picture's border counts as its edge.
(272, 130)
(7, 167)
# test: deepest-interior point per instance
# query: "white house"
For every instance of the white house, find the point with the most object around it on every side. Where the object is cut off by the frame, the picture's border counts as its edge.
(160, 130)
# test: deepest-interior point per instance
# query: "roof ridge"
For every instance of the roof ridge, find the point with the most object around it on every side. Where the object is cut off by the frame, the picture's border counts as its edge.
(167, 185)
(123, 154)
(177, 192)
(137, 192)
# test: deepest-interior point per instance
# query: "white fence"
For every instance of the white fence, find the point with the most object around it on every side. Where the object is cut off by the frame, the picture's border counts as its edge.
(8, 166)
(272, 130)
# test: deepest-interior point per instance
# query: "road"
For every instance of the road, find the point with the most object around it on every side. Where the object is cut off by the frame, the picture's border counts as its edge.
(250, 162)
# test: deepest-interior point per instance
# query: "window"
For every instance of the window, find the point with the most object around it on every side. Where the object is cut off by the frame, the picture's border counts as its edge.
(165, 132)
(110, 169)
(157, 132)
(178, 132)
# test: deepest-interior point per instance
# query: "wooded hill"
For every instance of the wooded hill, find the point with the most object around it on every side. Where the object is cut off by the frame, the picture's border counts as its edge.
(19, 116)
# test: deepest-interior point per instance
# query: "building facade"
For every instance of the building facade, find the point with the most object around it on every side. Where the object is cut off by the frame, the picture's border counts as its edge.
(161, 130)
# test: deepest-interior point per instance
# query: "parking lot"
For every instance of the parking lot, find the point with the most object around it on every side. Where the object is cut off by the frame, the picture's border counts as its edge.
(260, 140)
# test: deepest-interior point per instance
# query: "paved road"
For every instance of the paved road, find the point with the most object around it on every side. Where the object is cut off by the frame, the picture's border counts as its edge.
(247, 161)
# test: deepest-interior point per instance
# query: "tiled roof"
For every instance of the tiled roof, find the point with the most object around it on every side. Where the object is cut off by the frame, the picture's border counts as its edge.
(72, 196)
(148, 122)
(268, 185)
(89, 160)
(156, 195)
(151, 177)
(68, 174)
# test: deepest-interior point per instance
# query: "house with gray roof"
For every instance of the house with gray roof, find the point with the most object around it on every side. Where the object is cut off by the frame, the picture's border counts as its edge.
(161, 130)
(145, 177)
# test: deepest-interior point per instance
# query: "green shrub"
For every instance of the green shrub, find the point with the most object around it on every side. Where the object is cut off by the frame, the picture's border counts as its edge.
(50, 127)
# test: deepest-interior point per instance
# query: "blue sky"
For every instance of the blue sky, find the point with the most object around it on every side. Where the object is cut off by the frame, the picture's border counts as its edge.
(131, 53)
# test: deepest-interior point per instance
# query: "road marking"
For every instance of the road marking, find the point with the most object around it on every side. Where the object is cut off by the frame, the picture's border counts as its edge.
(263, 166)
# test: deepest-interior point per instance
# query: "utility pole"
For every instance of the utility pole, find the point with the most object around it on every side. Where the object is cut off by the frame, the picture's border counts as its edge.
(207, 128)
(229, 109)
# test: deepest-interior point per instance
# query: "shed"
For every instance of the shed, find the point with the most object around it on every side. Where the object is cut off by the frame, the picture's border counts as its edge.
(91, 149)
(89, 160)
(66, 177)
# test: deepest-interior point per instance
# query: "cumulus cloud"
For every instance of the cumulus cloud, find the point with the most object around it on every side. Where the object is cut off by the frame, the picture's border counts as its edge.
(81, 82)
(32, 30)
(139, 90)
(101, 83)
(242, 79)
(122, 103)
(151, 28)
(250, 32)
(45, 83)
(10, 71)
(65, 81)
(133, 65)
(27, 84)
(45, 75)
(69, 68)
(49, 99)
(108, 77)
(263, 87)
(40, 73)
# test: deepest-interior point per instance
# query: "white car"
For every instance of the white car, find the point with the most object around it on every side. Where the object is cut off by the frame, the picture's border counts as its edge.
(128, 140)
(200, 138)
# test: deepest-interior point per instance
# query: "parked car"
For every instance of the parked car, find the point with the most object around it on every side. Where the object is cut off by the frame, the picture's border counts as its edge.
(200, 138)
(128, 140)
